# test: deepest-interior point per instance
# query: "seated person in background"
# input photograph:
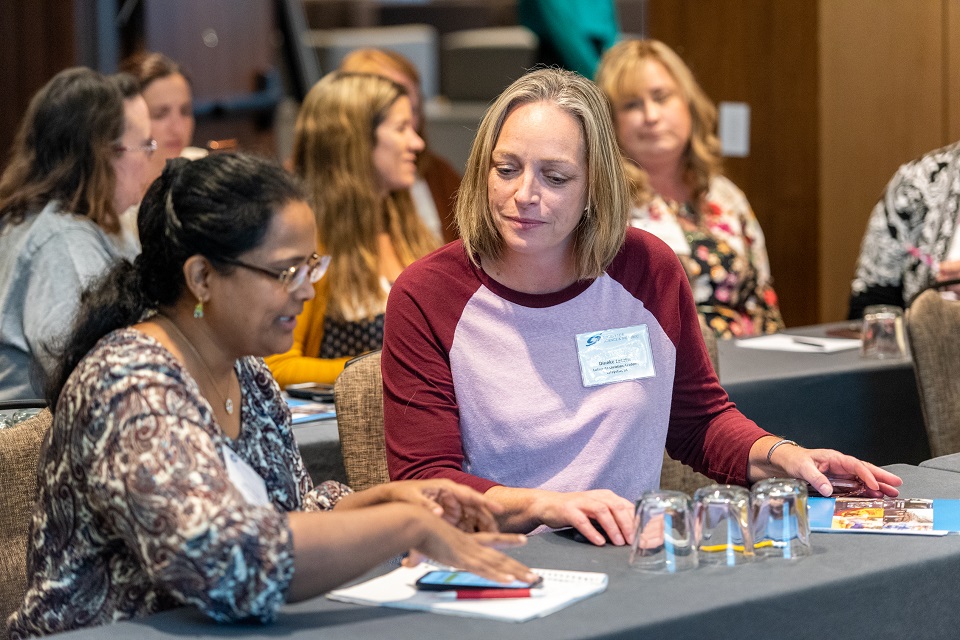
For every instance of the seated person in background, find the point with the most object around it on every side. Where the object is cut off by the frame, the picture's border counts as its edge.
(548, 357)
(911, 240)
(354, 145)
(167, 91)
(170, 476)
(169, 96)
(665, 126)
(80, 158)
(436, 186)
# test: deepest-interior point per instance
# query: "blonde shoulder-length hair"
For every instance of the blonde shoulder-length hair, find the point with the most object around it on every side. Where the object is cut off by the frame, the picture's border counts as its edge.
(602, 228)
(617, 77)
(334, 139)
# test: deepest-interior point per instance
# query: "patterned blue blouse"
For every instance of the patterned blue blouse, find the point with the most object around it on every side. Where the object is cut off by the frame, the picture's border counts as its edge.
(136, 512)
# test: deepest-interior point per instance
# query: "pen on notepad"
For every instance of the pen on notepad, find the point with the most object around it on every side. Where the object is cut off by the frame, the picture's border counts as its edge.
(487, 594)
(810, 342)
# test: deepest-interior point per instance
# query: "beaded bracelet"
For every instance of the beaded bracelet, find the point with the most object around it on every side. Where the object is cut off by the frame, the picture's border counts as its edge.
(777, 444)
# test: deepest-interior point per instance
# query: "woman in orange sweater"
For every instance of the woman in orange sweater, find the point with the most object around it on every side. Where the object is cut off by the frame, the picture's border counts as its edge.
(354, 145)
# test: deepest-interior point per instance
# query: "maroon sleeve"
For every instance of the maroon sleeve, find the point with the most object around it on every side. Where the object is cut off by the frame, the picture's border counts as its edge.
(420, 412)
(706, 430)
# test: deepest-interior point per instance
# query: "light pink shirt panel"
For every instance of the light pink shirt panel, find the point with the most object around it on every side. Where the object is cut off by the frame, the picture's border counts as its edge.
(549, 431)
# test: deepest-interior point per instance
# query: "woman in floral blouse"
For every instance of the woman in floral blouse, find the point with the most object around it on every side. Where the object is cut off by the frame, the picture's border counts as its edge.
(665, 126)
(170, 475)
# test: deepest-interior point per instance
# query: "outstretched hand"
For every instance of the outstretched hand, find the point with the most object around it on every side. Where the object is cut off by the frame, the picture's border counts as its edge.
(814, 465)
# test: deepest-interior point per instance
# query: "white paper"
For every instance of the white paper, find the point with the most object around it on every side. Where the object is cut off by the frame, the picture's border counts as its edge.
(800, 344)
(398, 589)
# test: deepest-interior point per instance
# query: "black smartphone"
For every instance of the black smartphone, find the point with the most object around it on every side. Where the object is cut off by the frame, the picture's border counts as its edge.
(454, 580)
(315, 391)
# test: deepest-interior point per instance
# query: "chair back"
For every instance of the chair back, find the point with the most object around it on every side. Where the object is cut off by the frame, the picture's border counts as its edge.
(358, 394)
(675, 475)
(19, 455)
(933, 327)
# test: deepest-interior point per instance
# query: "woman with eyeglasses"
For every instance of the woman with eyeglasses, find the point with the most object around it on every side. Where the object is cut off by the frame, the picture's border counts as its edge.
(355, 144)
(80, 158)
(171, 476)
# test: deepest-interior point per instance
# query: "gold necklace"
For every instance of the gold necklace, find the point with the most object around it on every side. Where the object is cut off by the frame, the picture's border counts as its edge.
(227, 402)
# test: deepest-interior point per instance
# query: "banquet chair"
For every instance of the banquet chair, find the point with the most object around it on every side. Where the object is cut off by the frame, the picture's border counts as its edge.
(358, 395)
(19, 455)
(933, 327)
(674, 475)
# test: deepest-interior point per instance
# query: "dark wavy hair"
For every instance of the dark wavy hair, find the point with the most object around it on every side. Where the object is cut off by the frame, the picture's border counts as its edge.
(63, 150)
(218, 207)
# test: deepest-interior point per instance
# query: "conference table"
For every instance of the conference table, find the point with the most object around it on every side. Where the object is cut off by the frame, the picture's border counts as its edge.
(867, 408)
(840, 400)
(853, 585)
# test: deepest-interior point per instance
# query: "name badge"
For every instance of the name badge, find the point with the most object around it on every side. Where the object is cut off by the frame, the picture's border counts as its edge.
(247, 481)
(615, 355)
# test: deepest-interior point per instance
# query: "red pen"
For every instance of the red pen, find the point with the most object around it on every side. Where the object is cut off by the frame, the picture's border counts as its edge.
(486, 594)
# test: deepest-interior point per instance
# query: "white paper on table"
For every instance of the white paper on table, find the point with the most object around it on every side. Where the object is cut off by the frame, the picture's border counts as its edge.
(800, 344)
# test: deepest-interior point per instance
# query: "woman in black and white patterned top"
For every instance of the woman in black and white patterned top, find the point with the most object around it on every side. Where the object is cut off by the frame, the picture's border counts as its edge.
(910, 241)
(170, 475)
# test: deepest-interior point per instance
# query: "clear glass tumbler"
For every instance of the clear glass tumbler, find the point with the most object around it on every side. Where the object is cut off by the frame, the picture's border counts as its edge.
(664, 540)
(723, 525)
(781, 528)
(882, 334)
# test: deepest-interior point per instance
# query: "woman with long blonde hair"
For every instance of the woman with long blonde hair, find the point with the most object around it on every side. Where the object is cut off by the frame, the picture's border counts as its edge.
(354, 145)
(666, 129)
(434, 192)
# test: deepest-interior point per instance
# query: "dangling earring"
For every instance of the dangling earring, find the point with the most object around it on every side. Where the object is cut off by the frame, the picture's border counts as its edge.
(198, 310)
(586, 211)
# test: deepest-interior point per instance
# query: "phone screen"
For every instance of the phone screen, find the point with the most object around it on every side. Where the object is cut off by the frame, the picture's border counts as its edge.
(444, 580)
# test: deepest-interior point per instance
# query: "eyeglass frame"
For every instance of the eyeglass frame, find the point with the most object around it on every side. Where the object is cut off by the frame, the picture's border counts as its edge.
(148, 149)
(288, 277)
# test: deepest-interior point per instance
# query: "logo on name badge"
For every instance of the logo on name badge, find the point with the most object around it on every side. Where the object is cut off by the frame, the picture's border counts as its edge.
(615, 355)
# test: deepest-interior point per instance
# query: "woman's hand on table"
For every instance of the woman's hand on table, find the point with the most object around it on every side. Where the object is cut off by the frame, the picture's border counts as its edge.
(475, 552)
(814, 465)
(586, 511)
(458, 504)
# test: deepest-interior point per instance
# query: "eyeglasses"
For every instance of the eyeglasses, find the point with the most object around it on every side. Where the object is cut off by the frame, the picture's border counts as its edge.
(293, 277)
(147, 148)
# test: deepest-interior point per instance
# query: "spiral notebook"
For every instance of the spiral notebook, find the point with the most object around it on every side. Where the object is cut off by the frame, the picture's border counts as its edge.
(396, 589)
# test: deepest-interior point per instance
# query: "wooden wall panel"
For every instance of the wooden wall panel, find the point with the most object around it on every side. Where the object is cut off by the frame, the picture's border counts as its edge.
(36, 41)
(763, 52)
(881, 104)
(224, 66)
(951, 71)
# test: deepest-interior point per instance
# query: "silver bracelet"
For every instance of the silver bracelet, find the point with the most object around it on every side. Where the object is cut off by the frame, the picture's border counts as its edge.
(777, 444)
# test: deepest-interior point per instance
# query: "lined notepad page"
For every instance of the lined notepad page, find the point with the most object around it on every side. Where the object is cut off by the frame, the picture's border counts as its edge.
(398, 589)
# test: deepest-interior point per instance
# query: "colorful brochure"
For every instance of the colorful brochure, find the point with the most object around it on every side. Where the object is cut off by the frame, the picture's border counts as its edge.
(916, 516)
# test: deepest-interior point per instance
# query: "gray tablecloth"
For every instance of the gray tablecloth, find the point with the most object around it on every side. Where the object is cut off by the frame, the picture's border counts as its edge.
(319, 444)
(867, 408)
(949, 462)
(854, 585)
